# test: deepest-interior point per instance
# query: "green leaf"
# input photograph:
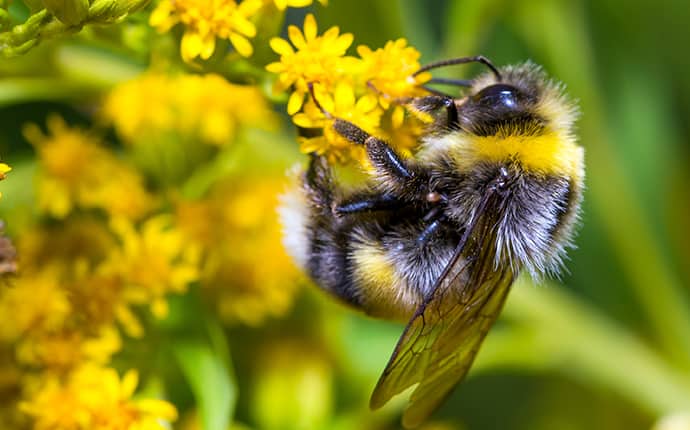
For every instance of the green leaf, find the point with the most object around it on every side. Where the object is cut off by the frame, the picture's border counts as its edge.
(211, 381)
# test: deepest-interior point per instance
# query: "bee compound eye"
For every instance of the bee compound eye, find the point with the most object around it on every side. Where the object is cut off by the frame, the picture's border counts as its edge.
(499, 96)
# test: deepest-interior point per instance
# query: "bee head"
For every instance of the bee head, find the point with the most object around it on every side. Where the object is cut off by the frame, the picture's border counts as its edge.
(500, 108)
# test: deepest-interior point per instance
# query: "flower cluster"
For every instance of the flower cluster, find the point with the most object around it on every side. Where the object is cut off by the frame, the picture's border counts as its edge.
(95, 398)
(206, 21)
(369, 90)
(200, 108)
(236, 233)
(160, 217)
(77, 171)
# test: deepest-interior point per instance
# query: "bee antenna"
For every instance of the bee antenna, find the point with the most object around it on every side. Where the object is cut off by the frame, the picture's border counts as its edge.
(462, 60)
(316, 102)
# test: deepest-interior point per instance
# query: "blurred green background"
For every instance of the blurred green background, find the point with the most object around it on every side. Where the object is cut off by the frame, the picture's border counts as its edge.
(605, 347)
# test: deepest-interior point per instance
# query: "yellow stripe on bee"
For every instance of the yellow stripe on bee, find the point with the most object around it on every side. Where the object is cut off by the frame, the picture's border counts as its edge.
(376, 280)
(549, 153)
(372, 267)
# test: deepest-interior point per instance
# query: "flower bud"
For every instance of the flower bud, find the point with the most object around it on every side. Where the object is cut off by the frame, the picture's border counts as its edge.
(103, 11)
(69, 12)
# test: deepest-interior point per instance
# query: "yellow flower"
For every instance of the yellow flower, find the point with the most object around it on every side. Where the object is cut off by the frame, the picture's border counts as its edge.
(68, 348)
(204, 108)
(152, 262)
(35, 303)
(237, 229)
(76, 171)
(95, 398)
(343, 104)
(4, 168)
(390, 69)
(314, 59)
(282, 4)
(402, 134)
(206, 20)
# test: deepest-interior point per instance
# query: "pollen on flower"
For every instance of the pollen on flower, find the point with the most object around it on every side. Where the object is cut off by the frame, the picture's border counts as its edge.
(205, 21)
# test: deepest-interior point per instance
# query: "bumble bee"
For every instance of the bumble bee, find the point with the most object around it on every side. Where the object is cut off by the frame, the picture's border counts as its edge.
(438, 239)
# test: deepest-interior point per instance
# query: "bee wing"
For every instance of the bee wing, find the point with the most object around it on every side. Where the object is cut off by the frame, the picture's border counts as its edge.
(442, 338)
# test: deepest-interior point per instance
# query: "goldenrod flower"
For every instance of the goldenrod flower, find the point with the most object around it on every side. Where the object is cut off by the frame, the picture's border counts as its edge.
(69, 348)
(313, 59)
(152, 261)
(237, 229)
(76, 171)
(389, 70)
(200, 108)
(206, 20)
(95, 398)
(37, 304)
(282, 4)
(363, 111)
(360, 90)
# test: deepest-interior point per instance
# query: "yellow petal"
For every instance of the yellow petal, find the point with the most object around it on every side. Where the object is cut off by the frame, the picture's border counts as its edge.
(325, 100)
(242, 45)
(363, 51)
(161, 18)
(295, 103)
(129, 383)
(158, 408)
(398, 116)
(159, 308)
(367, 103)
(343, 42)
(244, 26)
(303, 120)
(208, 45)
(344, 97)
(295, 36)
(310, 28)
(280, 4)
(299, 3)
(190, 46)
(275, 67)
(281, 46)
(331, 33)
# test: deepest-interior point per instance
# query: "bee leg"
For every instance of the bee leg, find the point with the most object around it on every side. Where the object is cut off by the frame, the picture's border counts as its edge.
(435, 218)
(384, 202)
(318, 184)
(385, 160)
